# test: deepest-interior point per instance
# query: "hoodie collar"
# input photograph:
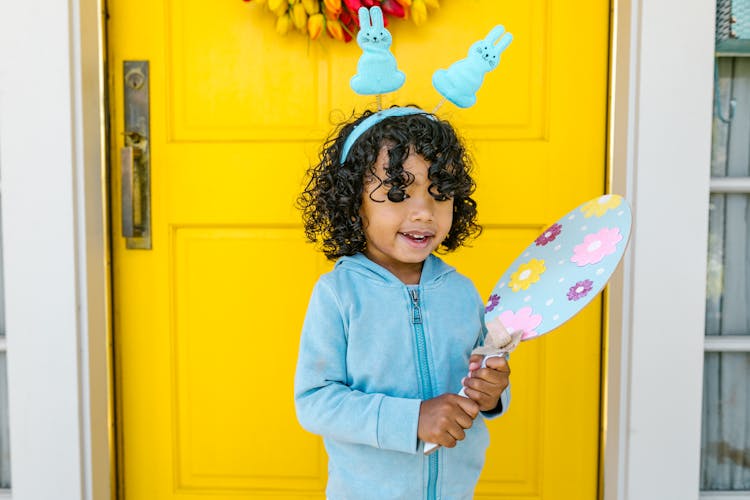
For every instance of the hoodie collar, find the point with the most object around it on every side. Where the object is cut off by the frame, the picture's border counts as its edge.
(432, 269)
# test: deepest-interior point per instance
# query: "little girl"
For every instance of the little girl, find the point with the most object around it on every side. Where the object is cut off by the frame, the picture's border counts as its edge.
(388, 333)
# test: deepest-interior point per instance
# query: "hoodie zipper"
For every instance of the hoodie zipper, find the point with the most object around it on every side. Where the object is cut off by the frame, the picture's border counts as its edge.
(426, 381)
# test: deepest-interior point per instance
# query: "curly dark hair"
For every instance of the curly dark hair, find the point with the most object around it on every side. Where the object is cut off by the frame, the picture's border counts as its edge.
(331, 200)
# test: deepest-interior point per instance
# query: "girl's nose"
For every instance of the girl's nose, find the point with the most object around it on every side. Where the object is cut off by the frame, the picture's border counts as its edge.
(421, 206)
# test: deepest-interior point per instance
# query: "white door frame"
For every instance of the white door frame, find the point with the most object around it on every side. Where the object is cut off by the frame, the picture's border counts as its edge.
(660, 143)
(55, 248)
(55, 238)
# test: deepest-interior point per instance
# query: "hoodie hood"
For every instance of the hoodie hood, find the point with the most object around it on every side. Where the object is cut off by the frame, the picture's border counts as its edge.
(433, 270)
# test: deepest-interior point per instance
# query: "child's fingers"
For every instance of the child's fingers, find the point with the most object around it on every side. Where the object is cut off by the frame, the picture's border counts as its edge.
(498, 363)
(489, 375)
(457, 433)
(476, 395)
(475, 361)
(471, 409)
(483, 400)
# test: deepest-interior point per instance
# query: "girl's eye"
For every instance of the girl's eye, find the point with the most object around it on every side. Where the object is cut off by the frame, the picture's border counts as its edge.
(396, 194)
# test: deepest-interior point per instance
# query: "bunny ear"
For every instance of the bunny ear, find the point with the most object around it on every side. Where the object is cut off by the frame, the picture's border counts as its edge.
(364, 18)
(377, 17)
(494, 34)
(503, 43)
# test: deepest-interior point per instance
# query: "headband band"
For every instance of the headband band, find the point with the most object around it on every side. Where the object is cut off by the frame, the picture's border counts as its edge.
(373, 120)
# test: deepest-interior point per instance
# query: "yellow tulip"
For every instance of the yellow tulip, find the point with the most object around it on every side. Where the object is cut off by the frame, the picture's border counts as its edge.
(315, 25)
(281, 9)
(274, 5)
(418, 11)
(433, 4)
(283, 23)
(335, 29)
(299, 17)
(311, 6)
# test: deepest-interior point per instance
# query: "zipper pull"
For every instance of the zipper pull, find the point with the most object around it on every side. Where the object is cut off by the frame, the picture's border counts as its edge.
(416, 314)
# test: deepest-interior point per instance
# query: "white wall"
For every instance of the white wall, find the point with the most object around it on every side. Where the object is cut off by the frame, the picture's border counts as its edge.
(54, 249)
(661, 160)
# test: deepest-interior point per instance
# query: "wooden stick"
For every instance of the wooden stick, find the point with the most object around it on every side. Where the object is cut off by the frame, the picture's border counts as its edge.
(442, 101)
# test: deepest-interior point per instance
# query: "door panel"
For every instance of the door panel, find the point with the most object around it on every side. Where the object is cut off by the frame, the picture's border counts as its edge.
(206, 324)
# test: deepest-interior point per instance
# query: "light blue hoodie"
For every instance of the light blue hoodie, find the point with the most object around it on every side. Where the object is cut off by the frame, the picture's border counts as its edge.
(372, 349)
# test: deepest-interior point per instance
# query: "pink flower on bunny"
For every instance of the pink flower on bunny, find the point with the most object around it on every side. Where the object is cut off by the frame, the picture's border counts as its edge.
(522, 320)
(596, 246)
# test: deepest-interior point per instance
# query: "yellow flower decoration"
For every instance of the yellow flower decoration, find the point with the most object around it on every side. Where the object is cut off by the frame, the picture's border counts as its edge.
(526, 274)
(599, 206)
(339, 18)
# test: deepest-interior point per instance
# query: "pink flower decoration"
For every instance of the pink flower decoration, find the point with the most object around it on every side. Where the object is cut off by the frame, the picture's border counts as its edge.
(550, 234)
(521, 320)
(580, 289)
(492, 303)
(596, 246)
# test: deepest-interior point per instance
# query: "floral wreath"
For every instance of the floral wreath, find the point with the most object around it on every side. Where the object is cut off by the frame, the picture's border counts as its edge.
(339, 17)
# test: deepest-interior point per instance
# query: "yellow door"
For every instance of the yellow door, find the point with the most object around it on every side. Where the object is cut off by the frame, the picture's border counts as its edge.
(207, 322)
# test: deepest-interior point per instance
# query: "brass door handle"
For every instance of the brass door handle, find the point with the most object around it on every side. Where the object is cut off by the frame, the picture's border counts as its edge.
(135, 161)
(131, 199)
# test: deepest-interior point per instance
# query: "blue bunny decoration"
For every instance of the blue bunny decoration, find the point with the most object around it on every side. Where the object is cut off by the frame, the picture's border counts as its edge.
(462, 80)
(376, 69)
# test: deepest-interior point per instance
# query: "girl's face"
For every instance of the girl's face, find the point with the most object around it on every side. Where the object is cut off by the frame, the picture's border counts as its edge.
(400, 236)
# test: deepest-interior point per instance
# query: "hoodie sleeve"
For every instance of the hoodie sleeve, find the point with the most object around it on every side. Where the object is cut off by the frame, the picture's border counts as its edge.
(326, 405)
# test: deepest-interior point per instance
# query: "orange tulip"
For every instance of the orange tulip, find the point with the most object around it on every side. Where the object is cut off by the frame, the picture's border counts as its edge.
(404, 3)
(315, 25)
(333, 6)
(418, 11)
(335, 30)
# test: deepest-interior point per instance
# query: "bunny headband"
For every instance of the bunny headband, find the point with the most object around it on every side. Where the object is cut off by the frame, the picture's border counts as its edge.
(377, 72)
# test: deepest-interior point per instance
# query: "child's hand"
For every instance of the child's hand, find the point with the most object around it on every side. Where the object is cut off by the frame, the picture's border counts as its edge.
(484, 385)
(442, 420)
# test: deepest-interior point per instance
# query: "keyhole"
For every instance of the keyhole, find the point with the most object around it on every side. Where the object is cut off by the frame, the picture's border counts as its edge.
(135, 79)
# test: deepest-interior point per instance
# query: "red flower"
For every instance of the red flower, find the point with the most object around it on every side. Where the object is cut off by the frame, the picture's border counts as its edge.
(349, 25)
(393, 8)
(353, 5)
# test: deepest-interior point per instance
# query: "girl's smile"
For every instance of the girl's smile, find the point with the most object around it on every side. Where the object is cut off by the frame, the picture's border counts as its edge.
(400, 235)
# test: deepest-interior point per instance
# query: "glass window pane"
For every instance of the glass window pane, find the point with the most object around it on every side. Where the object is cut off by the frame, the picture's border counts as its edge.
(4, 434)
(725, 440)
(730, 155)
(2, 289)
(727, 283)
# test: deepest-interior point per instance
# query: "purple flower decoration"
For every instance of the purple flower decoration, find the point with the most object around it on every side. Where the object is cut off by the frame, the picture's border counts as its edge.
(550, 234)
(580, 289)
(492, 303)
